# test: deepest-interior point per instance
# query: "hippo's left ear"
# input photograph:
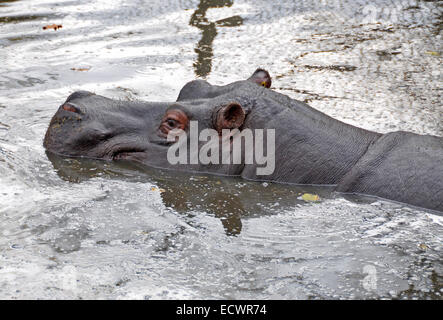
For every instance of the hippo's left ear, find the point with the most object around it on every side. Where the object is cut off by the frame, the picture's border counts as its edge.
(261, 77)
(230, 116)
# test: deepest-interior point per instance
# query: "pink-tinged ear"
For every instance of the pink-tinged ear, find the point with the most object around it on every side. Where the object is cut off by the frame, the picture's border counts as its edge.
(230, 116)
(261, 77)
(71, 108)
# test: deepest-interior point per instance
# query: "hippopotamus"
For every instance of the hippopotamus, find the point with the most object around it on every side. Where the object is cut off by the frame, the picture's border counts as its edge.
(306, 147)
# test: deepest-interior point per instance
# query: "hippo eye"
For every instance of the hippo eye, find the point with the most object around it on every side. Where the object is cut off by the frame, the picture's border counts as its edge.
(173, 119)
(172, 123)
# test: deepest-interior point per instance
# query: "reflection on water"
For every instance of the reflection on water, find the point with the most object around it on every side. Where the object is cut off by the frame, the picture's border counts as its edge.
(228, 198)
(24, 18)
(203, 65)
(5, 2)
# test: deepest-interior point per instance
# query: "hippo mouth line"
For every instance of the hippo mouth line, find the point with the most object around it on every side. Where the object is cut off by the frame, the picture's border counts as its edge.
(126, 153)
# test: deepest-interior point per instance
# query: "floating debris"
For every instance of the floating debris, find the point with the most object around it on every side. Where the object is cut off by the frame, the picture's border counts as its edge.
(332, 67)
(53, 26)
(158, 189)
(4, 126)
(309, 197)
(81, 69)
(433, 53)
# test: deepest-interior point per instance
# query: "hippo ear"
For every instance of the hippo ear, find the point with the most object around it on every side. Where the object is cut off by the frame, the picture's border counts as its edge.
(230, 116)
(261, 77)
(194, 90)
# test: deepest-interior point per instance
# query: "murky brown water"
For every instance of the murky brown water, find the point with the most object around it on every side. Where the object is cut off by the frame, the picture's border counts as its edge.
(99, 230)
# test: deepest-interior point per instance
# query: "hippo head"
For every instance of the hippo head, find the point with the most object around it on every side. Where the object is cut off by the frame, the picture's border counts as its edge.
(92, 126)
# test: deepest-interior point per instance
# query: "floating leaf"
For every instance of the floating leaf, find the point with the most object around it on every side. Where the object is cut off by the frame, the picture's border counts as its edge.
(310, 197)
(158, 189)
(433, 53)
(53, 26)
(81, 69)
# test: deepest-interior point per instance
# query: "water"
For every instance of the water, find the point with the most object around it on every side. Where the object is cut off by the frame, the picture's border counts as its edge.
(97, 230)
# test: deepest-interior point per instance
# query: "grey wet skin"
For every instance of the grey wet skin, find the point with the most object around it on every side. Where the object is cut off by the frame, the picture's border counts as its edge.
(310, 147)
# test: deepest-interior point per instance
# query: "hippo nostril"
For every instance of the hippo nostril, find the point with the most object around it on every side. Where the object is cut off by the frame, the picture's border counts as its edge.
(69, 107)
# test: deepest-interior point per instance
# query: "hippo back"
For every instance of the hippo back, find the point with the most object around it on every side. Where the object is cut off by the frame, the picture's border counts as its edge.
(403, 166)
